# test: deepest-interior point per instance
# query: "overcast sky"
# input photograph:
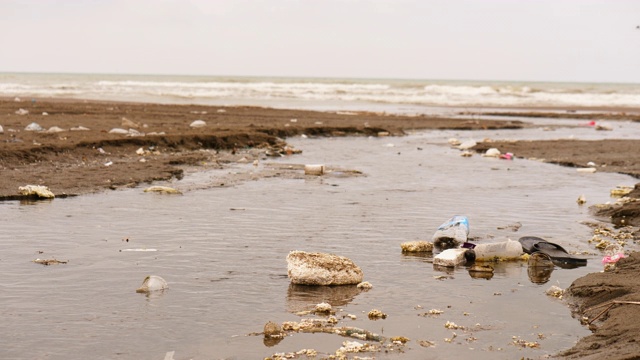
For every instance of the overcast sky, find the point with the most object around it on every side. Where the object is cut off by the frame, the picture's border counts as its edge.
(544, 40)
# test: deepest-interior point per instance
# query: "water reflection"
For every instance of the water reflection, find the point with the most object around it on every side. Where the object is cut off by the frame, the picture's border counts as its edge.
(305, 297)
(540, 267)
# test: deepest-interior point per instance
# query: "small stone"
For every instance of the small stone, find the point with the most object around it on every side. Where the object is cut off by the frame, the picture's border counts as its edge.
(417, 246)
(322, 269)
(272, 330)
(376, 314)
(198, 124)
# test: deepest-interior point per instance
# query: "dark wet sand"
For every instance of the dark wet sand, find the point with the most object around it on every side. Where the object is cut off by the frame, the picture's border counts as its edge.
(75, 163)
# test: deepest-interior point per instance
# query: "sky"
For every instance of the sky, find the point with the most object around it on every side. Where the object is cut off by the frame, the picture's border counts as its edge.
(527, 40)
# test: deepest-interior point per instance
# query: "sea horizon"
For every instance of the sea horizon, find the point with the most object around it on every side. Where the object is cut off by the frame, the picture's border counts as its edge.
(319, 93)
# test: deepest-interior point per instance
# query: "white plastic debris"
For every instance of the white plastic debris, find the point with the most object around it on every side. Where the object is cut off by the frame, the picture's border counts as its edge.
(118, 131)
(109, 163)
(22, 112)
(198, 124)
(152, 283)
(140, 151)
(79, 128)
(492, 152)
(33, 127)
(450, 257)
(55, 129)
(1, 130)
(37, 190)
(467, 145)
(45, 113)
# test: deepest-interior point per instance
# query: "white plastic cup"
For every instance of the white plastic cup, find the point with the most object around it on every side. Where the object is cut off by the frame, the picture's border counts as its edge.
(314, 169)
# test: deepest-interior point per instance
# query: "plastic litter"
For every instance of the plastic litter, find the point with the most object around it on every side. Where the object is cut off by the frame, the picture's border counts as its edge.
(450, 257)
(506, 250)
(198, 124)
(507, 156)
(455, 231)
(152, 283)
(22, 112)
(34, 127)
(36, 190)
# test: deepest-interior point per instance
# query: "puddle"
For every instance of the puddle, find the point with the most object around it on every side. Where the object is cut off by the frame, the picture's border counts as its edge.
(222, 251)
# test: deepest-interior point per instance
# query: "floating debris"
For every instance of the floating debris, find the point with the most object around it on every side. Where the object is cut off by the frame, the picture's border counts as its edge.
(417, 246)
(525, 344)
(323, 308)
(581, 200)
(36, 190)
(376, 314)
(432, 312)
(453, 326)
(400, 339)
(162, 190)
(365, 285)
(273, 330)
(152, 283)
(555, 291)
(426, 343)
(48, 262)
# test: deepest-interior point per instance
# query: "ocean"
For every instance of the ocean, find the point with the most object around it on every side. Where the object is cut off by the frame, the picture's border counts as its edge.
(387, 95)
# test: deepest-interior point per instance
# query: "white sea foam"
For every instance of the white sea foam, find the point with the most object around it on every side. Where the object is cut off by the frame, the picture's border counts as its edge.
(310, 91)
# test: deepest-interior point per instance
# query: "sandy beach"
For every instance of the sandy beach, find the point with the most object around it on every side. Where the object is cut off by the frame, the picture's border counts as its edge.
(85, 156)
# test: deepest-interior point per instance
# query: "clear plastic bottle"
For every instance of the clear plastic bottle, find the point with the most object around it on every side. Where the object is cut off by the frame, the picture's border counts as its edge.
(506, 250)
(455, 229)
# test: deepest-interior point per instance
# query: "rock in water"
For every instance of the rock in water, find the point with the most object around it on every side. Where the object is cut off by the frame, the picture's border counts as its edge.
(152, 283)
(322, 269)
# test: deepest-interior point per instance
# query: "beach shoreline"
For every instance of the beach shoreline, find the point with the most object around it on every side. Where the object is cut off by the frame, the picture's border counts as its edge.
(162, 145)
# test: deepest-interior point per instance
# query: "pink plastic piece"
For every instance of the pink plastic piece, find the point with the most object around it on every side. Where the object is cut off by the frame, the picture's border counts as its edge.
(612, 259)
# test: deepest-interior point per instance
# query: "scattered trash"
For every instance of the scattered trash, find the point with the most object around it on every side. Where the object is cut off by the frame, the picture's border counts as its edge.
(101, 151)
(581, 200)
(108, 163)
(48, 262)
(383, 133)
(55, 129)
(152, 283)
(118, 131)
(454, 142)
(198, 124)
(467, 145)
(140, 151)
(376, 314)
(45, 113)
(79, 128)
(514, 227)
(322, 269)
(39, 191)
(452, 232)
(613, 253)
(22, 112)
(506, 250)
(555, 291)
(559, 256)
(604, 127)
(365, 285)
(466, 153)
(140, 250)
(417, 246)
(162, 190)
(314, 169)
(492, 152)
(323, 308)
(591, 164)
(34, 127)
(1, 130)
(450, 257)
(507, 156)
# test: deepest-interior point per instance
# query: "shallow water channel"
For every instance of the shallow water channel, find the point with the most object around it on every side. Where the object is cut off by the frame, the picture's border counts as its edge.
(222, 250)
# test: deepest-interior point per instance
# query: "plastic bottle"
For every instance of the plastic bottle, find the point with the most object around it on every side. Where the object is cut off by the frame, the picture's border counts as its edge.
(506, 250)
(455, 229)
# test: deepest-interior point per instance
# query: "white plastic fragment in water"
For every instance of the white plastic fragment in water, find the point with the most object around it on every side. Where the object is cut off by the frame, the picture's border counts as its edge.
(37, 190)
(450, 257)
(33, 127)
(198, 124)
(140, 249)
(314, 169)
(162, 190)
(152, 283)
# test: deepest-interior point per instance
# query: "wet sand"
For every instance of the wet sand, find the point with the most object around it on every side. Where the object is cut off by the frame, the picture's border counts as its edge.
(85, 161)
